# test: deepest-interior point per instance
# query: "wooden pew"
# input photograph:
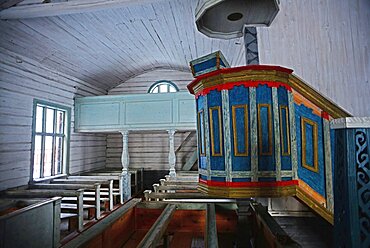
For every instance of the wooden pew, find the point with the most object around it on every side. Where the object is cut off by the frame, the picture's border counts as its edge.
(137, 174)
(96, 187)
(48, 193)
(33, 218)
(91, 181)
(170, 183)
(118, 178)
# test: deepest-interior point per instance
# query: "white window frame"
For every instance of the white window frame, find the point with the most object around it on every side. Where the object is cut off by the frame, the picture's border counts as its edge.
(157, 85)
(65, 135)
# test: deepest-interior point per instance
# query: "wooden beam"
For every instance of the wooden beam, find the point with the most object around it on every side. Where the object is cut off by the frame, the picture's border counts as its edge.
(277, 235)
(156, 232)
(64, 8)
(191, 161)
(4, 4)
(104, 223)
(211, 239)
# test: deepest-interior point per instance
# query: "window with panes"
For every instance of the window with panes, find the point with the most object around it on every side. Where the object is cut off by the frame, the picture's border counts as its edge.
(163, 86)
(50, 139)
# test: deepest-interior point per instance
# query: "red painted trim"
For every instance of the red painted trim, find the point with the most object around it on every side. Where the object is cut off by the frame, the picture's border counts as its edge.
(237, 69)
(248, 184)
(325, 115)
(229, 86)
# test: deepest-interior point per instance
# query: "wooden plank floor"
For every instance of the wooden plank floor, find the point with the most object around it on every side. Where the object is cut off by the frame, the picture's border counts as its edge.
(307, 231)
(135, 239)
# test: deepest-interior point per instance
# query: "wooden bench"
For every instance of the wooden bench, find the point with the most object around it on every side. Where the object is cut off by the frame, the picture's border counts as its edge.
(72, 220)
(136, 174)
(96, 193)
(47, 193)
(100, 178)
(101, 181)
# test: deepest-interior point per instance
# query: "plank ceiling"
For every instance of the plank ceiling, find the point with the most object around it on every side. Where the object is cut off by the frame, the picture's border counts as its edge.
(107, 47)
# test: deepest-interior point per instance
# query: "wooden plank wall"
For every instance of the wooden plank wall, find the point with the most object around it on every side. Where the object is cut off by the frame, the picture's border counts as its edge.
(150, 149)
(22, 80)
(327, 44)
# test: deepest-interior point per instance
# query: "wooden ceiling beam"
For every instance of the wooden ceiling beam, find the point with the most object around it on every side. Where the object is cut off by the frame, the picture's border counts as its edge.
(64, 8)
(4, 4)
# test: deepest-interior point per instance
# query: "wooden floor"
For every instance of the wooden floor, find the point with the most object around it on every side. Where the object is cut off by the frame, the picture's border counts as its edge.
(310, 232)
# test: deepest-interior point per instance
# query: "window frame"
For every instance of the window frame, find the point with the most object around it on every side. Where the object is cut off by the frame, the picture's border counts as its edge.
(162, 82)
(66, 140)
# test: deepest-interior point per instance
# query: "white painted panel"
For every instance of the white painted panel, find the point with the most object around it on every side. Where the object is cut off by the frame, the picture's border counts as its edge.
(150, 112)
(187, 111)
(100, 114)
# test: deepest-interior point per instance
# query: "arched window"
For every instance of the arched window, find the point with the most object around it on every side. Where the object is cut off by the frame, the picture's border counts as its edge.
(163, 86)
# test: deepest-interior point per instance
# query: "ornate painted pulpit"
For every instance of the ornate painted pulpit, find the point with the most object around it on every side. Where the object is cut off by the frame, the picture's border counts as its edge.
(262, 132)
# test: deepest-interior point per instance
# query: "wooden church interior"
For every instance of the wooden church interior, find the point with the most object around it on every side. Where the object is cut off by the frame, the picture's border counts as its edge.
(131, 123)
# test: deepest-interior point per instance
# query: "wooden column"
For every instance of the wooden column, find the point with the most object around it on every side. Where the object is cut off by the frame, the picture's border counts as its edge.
(351, 177)
(211, 239)
(125, 160)
(172, 155)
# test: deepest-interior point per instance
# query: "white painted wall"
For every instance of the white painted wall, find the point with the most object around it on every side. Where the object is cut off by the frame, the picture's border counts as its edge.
(22, 80)
(150, 150)
(326, 42)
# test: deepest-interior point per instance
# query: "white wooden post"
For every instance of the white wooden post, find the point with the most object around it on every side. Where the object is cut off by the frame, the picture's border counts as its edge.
(125, 160)
(172, 155)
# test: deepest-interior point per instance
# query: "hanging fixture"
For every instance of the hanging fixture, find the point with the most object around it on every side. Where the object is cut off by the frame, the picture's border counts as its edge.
(226, 18)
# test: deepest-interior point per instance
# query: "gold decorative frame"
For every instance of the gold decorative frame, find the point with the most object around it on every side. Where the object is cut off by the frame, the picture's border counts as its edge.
(282, 139)
(218, 108)
(200, 134)
(315, 166)
(269, 152)
(246, 137)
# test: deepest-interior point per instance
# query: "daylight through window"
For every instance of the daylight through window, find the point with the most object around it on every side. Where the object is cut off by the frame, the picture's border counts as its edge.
(163, 86)
(50, 140)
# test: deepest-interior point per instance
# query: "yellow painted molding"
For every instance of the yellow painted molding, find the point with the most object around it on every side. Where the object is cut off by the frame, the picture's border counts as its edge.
(315, 97)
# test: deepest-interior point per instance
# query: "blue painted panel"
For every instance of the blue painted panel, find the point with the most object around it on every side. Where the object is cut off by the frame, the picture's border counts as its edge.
(265, 162)
(241, 125)
(266, 179)
(265, 119)
(241, 179)
(218, 179)
(264, 94)
(201, 137)
(286, 178)
(203, 162)
(239, 95)
(216, 125)
(205, 65)
(284, 130)
(200, 103)
(282, 96)
(203, 177)
(214, 99)
(286, 163)
(309, 145)
(315, 180)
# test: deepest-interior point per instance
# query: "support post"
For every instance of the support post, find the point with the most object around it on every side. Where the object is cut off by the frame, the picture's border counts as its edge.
(351, 177)
(80, 210)
(211, 239)
(172, 155)
(97, 200)
(125, 160)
